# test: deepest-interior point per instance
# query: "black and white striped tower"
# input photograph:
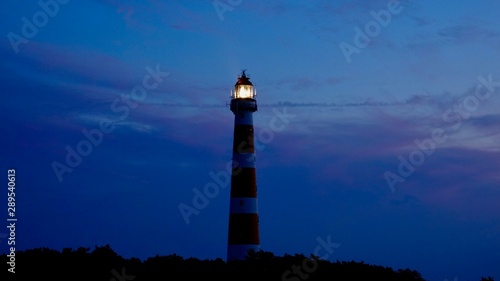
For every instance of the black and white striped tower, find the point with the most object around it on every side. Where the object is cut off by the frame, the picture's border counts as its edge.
(243, 216)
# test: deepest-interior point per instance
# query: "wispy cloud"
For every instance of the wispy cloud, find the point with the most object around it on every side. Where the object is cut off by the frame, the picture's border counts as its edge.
(466, 33)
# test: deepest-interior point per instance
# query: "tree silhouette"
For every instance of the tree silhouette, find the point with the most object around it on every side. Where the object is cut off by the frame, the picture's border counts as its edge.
(103, 263)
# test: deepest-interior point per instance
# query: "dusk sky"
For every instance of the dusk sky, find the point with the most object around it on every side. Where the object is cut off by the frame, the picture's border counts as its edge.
(378, 127)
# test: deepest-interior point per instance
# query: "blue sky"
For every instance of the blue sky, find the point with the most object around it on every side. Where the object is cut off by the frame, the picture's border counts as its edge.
(417, 105)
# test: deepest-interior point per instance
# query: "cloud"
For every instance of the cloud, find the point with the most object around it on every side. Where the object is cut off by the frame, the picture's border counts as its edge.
(53, 64)
(421, 21)
(486, 121)
(352, 145)
(466, 33)
(462, 32)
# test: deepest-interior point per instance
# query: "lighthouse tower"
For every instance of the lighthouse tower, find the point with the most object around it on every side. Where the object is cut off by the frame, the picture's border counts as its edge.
(243, 216)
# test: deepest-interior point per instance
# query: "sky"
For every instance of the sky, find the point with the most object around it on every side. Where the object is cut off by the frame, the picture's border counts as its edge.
(377, 127)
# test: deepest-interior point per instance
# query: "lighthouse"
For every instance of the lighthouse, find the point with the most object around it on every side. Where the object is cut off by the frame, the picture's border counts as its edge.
(243, 234)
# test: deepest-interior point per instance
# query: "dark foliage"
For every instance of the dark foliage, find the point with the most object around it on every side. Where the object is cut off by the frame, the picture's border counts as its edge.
(105, 264)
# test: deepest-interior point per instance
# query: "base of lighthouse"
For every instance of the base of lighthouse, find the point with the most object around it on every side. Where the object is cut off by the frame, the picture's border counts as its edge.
(243, 228)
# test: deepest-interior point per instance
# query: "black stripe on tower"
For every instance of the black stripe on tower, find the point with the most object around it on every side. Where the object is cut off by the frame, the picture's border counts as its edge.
(244, 229)
(243, 139)
(243, 183)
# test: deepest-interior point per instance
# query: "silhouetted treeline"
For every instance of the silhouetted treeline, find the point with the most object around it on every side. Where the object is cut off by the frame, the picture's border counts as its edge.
(102, 263)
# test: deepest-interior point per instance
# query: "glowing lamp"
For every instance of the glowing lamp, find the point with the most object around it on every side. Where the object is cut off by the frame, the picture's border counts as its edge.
(243, 89)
